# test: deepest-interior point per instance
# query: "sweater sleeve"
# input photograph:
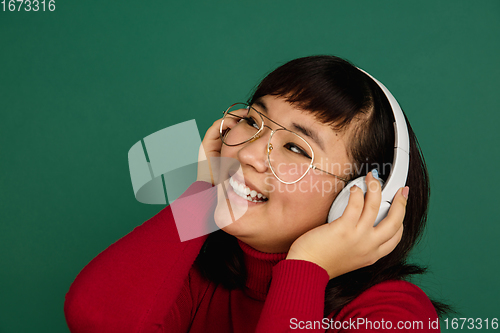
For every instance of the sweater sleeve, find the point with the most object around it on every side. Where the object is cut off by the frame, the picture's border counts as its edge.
(296, 301)
(296, 295)
(390, 305)
(124, 287)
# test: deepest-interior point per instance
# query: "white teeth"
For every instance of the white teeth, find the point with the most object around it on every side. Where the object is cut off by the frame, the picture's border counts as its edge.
(245, 192)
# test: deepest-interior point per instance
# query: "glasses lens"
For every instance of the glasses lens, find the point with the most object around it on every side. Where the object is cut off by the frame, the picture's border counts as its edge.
(290, 156)
(244, 123)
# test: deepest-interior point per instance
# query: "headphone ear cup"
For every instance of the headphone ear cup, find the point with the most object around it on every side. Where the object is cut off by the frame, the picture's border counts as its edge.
(340, 202)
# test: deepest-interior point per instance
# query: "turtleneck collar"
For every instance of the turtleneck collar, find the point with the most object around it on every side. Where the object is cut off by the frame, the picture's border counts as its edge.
(259, 266)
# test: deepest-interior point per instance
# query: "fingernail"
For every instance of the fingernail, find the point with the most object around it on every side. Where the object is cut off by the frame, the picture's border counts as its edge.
(405, 192)
(375, 173)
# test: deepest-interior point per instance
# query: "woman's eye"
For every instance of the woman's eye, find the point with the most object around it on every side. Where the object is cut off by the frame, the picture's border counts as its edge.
(251, 122)
(296, 149)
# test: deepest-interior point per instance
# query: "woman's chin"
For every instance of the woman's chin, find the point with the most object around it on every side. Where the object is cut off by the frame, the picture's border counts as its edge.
(228, 223)
(222, 217)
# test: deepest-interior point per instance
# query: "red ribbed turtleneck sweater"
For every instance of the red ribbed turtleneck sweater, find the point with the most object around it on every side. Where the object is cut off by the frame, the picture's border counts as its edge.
(146, 282)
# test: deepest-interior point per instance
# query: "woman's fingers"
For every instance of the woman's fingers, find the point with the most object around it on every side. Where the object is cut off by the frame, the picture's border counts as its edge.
(213, 131)
(210, 148)
(211, 142)
(354, 206)
(390, 225)
(373, 198)
(391, 244)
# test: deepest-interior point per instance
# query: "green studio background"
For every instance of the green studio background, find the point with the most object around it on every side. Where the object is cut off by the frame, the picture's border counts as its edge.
(80, 85)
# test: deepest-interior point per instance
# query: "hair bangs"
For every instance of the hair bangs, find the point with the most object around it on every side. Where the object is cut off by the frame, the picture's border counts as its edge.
(330, 93)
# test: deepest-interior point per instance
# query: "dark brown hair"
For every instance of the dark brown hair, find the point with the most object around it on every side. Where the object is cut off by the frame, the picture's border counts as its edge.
(336, 93)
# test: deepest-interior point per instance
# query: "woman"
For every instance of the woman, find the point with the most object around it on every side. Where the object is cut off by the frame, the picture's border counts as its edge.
(276, 266)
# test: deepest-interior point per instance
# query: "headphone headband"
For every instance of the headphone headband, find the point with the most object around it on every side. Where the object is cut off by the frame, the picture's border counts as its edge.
(399, 171)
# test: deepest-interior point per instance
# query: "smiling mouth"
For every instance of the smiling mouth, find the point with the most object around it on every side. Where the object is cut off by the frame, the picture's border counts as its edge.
(245, 192)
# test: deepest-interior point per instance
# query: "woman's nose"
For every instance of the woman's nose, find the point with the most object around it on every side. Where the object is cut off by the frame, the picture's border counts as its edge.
(254, 152)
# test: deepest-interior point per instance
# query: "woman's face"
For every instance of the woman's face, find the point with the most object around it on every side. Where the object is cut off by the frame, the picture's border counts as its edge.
(290, 210)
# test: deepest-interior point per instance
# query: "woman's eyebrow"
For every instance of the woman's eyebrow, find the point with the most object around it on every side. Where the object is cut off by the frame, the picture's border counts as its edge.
(304, 130)
(261, 104)
(310, 133)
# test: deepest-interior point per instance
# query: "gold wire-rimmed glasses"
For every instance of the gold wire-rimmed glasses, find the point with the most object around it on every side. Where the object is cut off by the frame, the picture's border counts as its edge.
(293, 156)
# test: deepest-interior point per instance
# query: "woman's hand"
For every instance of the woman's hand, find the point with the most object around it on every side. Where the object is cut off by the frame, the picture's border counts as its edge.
(351, 241)
(210, 149)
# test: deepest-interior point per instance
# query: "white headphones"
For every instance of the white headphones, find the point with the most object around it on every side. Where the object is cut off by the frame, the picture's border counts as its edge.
(399, 170)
